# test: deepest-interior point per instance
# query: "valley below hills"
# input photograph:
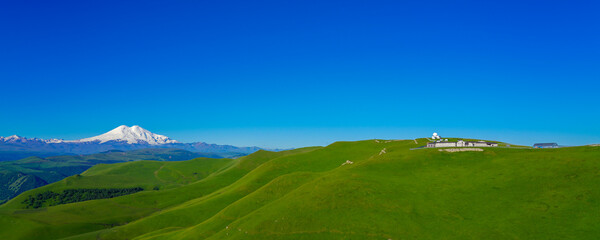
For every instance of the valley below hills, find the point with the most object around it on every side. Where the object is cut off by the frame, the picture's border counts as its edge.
(32, 172)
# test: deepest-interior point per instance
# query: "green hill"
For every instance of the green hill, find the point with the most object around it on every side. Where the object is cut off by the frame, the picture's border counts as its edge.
(373, 189)
(32, 172)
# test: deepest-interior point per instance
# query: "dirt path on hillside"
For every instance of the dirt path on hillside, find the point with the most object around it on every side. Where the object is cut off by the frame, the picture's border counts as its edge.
(156, 173)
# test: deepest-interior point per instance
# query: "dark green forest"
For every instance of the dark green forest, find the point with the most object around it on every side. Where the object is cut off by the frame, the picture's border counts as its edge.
(50, 198)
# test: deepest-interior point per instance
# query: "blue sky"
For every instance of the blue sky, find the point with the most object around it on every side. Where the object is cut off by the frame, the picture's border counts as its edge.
(298, 73)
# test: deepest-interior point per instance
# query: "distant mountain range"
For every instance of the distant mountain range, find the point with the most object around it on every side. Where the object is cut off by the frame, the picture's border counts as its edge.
(122, 138)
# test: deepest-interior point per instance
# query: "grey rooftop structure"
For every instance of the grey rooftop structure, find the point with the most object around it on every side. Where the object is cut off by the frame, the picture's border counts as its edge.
(545, 145)
(461, 143)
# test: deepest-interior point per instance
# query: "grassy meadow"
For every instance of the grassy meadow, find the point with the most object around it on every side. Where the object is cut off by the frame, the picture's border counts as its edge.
(387, 192)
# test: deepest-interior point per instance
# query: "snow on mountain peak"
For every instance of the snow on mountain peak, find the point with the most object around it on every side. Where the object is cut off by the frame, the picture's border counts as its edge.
(13, 138)
(19, 139)
(134, 134)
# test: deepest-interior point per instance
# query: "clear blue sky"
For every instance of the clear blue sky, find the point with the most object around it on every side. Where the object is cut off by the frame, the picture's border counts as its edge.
(297, 73)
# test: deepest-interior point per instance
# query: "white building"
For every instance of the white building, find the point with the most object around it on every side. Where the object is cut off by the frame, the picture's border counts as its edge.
(461, 143)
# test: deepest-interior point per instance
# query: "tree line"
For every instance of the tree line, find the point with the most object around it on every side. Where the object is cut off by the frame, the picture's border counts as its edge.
(49, 198)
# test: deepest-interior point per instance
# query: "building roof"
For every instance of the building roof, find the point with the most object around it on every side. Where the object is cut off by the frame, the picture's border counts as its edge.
(545, 144)
(467, 142)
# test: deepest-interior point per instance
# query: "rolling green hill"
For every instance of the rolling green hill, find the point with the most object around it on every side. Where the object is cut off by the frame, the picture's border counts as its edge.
(32, 172)
(373, 189)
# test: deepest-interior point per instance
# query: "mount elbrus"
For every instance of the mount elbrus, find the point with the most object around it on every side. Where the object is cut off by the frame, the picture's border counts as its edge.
(121, 138)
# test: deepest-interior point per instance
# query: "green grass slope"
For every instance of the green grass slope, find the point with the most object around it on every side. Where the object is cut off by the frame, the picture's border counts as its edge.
(388, 192)
(489, 195)
(105, 213)
(32, 172)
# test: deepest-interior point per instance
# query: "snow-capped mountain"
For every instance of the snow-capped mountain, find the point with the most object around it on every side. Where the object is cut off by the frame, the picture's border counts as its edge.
(131, 135)
(13, 138)
(19, 139)
(125, 134)
(122, 138)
